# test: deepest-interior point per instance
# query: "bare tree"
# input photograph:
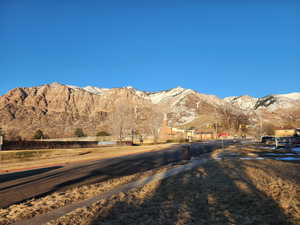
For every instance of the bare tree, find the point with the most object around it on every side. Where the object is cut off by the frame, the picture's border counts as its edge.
(150, 121)
(232, 118)
(131, 118)
(122, 119)
(268, 129)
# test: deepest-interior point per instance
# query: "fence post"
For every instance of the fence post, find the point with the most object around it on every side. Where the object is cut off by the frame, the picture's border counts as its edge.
(276, 143)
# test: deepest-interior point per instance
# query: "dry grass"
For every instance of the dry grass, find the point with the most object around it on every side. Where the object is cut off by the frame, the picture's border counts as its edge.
(220, 192)
(12, 160)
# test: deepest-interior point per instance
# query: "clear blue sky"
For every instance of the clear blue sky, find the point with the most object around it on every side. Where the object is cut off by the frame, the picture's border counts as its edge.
(217, 47)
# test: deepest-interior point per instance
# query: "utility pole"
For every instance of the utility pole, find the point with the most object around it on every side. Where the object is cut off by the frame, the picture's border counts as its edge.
(132, 135)
(1, 141)
(261, 125)
(216, 129)
(1, 138)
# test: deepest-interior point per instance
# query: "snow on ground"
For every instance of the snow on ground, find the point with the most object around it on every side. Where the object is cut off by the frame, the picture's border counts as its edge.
(268, 147)
(280, 154)
(252, 158)
(296, 149)
(287, 158)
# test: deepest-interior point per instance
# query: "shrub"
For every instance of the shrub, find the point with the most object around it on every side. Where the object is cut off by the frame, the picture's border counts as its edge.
(183, 140)
(79, 132)
(18, 138)
(102, 133)
(39, 135)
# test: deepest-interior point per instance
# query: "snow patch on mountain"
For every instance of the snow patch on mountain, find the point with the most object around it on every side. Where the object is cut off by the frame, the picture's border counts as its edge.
(270, 102)
(244, 102)
(158, 97)
(294, 96)
(176, 98)
(95, 90)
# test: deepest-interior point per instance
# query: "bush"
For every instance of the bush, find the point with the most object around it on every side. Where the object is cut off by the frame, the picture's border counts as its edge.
(79, 132)
(39, 135)
(18, 138)
(183, 140)
(102, 134)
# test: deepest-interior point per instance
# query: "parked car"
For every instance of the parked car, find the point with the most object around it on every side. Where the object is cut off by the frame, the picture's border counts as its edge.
(285, 142)
(267, 139)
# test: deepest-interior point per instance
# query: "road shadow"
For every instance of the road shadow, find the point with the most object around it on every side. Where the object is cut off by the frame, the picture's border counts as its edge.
(27, 173)
(216, 193)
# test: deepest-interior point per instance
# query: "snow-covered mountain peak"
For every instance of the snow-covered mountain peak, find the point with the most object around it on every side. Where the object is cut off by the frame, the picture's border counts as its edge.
(178, 95)
(157, 97)
(244, 102)
(293, 95)
(130, 87)
(95, 90)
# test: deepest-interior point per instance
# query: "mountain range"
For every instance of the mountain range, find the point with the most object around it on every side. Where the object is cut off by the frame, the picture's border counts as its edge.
(58, 109)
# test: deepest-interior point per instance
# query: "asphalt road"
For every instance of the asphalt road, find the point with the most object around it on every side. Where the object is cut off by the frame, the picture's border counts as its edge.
(21, 186)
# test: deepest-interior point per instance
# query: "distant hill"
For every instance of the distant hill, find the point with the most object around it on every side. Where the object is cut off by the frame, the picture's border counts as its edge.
(59, 109)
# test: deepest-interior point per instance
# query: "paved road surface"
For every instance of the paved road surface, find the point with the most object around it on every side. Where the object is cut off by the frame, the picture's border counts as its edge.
(20, 186)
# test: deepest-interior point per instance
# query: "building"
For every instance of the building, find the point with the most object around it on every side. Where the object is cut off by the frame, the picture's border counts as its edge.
(287, 132)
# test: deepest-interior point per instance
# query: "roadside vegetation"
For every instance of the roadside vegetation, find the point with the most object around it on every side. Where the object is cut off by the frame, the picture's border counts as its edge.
(79, 132)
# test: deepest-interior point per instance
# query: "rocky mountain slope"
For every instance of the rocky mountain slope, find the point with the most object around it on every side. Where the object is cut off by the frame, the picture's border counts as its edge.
(59, 109)
(269, 103)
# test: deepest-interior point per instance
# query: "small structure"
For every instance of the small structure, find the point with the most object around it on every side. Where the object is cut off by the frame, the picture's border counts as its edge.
(287, 132)
(202, 135)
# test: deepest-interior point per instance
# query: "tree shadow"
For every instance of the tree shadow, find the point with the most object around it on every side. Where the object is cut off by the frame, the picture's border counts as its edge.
(137, 164)
(215, 193)
(290, 172)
